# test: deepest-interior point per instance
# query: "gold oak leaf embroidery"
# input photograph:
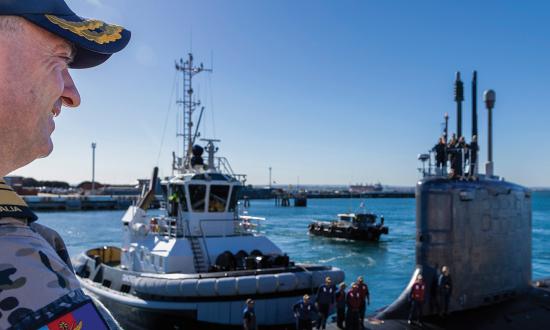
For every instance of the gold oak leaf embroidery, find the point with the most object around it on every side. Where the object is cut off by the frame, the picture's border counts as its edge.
(105, 32)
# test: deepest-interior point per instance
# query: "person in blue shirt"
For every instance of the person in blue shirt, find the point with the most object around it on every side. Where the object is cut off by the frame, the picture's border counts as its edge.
(249, 316)
(324, 301)
(304, 312)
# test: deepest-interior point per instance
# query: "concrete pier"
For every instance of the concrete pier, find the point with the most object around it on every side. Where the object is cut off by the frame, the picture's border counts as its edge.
(79, 202)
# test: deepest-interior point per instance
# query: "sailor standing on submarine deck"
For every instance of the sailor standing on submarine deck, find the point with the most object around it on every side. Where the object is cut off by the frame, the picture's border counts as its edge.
(39, 42)
(445, 289)
(416, 297)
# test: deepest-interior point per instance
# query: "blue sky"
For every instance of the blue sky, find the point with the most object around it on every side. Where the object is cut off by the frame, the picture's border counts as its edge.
(325, 92)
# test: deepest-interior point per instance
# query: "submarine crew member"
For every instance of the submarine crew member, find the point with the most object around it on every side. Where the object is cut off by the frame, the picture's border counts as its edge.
(39, 42)
(249, 316)
(353, 304)
(341, 305)
(324, 300)
(474, 148)
(304, 311)
(455, 157)
(462, 149)
(445, 289)
(417, 299)
(440, 151)
(364, 291)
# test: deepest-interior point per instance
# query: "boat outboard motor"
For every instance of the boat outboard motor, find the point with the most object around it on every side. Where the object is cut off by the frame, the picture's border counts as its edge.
(480, 228)
(197, 156)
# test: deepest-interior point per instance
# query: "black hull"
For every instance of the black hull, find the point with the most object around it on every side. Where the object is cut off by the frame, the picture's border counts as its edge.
(372, 234)
(132, 318)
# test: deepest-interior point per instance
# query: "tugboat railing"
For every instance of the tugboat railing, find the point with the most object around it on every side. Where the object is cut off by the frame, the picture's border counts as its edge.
(242, 226)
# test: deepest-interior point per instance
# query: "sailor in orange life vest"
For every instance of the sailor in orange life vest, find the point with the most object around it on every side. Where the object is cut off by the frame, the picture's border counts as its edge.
(39, 42)
(353, 302)
(417, 299)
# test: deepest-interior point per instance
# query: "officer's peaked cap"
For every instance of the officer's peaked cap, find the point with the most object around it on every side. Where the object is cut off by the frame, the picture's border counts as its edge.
(95, 41)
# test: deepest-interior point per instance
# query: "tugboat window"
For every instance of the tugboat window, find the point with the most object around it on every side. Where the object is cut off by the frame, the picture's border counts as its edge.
(197, 194)
(218, 198)
(234, 197)
(182, 198)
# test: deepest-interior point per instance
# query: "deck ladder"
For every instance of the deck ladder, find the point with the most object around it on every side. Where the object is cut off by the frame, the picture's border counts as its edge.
(198, 256)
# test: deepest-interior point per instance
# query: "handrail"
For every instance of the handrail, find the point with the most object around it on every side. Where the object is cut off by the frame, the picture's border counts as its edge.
(241, 226)
(432, 170)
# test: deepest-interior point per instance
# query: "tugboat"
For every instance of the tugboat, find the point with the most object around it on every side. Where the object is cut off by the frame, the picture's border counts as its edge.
(195, 265)
(357, 226)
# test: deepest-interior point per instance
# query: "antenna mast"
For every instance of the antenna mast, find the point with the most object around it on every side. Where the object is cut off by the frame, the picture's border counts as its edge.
(189, 105)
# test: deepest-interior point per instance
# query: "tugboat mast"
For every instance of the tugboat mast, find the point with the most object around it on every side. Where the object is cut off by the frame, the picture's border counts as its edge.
(189, 105)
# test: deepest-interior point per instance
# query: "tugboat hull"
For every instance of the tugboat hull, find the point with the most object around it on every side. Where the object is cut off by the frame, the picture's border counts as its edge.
(205, 301)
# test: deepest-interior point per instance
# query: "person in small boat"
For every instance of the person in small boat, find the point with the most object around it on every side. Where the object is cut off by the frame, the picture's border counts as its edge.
(365, 298)
(39, 42)
(445, 289)
(249, 316)
(341, 305)
(304, 313)
(324, 301)
(416, 299)
(353, 304)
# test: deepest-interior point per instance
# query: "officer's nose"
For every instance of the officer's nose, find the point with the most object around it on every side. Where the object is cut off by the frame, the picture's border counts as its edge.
(70, 96)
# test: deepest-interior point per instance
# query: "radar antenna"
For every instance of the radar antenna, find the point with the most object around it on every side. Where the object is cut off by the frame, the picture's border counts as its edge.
(189, 70)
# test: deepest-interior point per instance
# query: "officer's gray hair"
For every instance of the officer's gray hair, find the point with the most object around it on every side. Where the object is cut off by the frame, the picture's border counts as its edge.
(10, 23)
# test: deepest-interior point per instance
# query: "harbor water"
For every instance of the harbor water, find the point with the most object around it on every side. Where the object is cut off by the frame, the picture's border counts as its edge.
(386, 265)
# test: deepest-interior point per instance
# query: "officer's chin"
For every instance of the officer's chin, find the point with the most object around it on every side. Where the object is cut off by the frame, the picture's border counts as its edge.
(48, 148)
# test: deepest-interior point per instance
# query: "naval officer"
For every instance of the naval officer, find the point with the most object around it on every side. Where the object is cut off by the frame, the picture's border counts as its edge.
(39, 42)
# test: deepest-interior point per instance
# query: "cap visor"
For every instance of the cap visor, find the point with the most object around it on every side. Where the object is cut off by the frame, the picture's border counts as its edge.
(95, 41)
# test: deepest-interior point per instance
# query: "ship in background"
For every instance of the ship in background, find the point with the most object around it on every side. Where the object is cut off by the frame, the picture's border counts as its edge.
(195, 265)
(365, 188)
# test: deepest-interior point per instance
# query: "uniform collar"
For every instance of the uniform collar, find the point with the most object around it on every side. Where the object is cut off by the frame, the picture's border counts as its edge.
(11, 205)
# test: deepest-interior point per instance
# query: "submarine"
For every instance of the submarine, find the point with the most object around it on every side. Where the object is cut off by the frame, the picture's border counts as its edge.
(480, 227)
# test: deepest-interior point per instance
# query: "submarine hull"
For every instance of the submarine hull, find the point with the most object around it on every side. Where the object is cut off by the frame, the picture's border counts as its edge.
(530, 310)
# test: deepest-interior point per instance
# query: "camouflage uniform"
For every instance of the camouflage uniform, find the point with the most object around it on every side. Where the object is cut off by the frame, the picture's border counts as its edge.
(37, 282)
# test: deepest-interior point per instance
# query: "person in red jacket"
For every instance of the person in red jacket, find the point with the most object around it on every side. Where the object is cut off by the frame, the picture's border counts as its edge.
(364, 291)
(353, 302)
(417, 299)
